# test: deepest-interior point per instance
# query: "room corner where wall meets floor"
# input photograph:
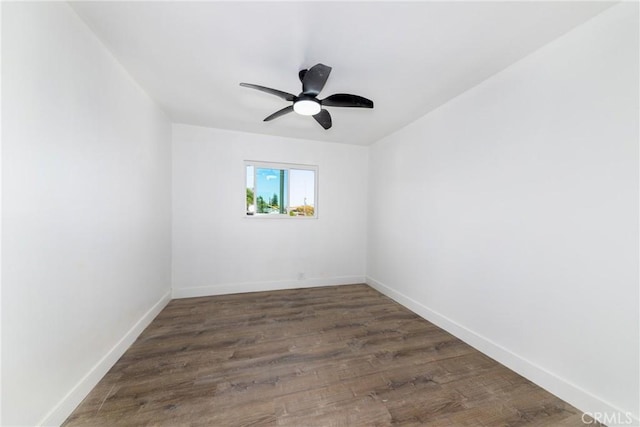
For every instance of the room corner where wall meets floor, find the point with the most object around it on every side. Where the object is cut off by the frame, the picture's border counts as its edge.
(218, 249)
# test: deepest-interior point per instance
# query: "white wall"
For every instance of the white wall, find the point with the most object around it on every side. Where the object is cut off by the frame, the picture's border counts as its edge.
(86, 211)
(511, 215)
(217, 249)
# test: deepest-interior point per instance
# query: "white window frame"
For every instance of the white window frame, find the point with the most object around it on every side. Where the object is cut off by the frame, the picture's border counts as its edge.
(280, 166)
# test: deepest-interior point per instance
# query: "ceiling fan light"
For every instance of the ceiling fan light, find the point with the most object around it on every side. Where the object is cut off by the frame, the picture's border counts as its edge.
(307, 107)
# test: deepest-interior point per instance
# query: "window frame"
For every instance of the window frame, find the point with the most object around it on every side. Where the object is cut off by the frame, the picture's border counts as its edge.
(281, 166)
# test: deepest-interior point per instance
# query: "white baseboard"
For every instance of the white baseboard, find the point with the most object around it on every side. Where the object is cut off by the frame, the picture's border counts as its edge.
(565, 390)
(68, 403)
(242, 287)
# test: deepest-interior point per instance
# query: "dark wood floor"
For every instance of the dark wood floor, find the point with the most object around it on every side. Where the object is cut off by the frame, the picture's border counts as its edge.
(332, 356)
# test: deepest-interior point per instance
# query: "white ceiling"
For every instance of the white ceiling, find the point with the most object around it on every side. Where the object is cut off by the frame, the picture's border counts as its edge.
(409, 58)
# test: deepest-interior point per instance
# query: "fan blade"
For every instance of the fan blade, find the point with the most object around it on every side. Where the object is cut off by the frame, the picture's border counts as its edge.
(284, 95)
(347, 100)
(314, 79)
(301, 74)
(324, 118)
(279, 113)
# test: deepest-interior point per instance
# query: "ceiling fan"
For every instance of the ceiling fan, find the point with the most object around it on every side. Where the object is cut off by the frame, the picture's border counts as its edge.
(307, 103)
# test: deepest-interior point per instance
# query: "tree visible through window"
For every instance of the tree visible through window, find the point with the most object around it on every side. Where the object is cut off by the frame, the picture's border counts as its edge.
(281, 189)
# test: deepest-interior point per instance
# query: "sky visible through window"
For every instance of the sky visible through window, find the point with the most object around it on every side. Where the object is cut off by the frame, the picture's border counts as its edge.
(268, 181)
(302, 187)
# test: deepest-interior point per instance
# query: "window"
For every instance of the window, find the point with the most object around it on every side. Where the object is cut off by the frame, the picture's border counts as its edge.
(280, 190)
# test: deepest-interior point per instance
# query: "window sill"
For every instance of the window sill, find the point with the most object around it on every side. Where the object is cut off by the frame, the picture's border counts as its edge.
(279, 216)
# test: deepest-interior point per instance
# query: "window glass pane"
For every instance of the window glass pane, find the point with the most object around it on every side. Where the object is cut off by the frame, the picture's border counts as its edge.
(302, 201)
(271, 190)
(281, 190)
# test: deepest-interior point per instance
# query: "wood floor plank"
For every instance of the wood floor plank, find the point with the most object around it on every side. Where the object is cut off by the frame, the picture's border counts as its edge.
(331, 356)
